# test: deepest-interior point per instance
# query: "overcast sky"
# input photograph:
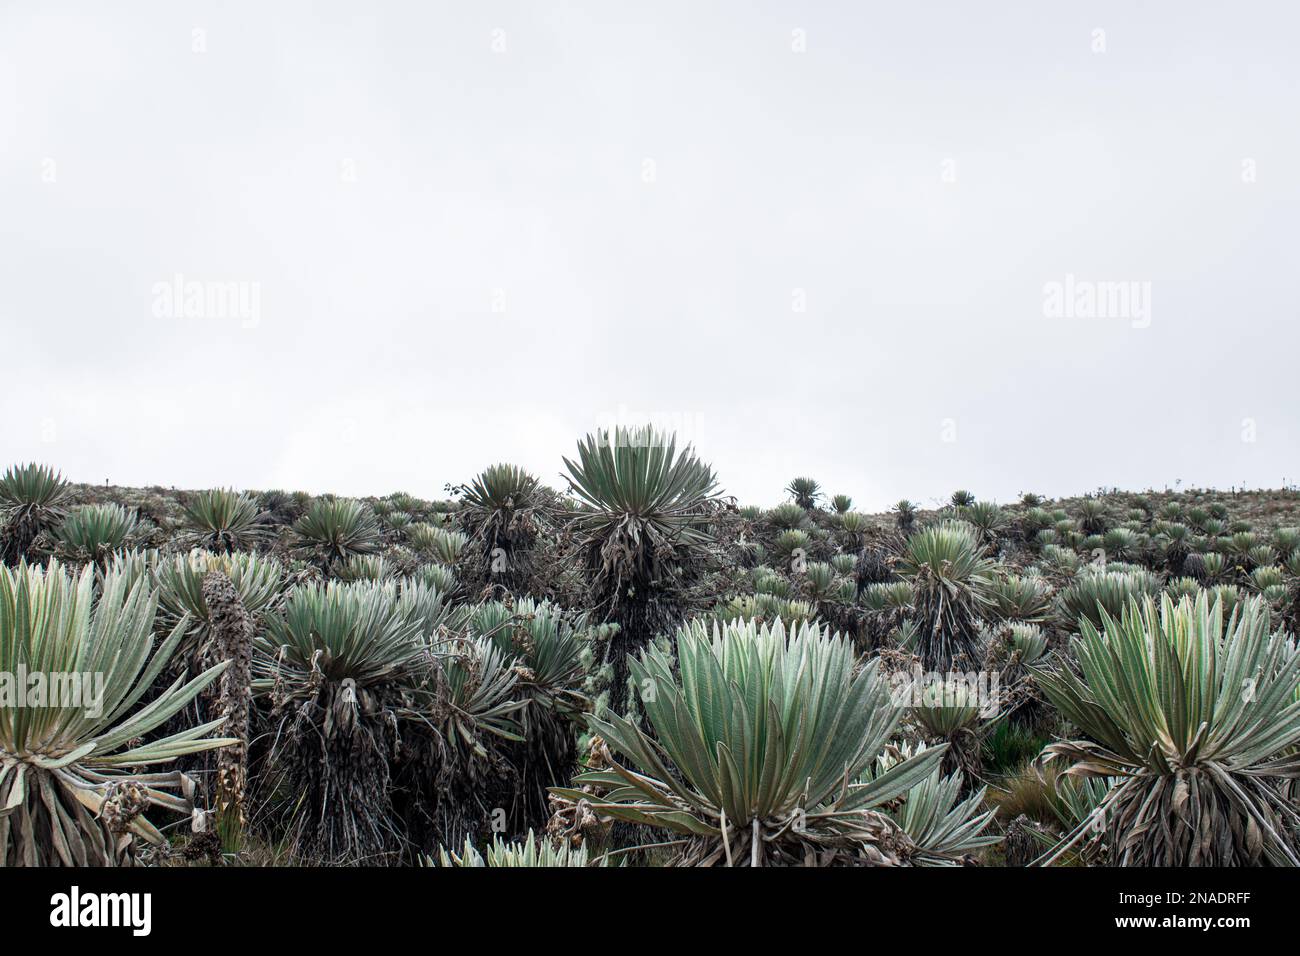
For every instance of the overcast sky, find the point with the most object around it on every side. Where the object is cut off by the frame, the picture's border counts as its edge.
(815, 238)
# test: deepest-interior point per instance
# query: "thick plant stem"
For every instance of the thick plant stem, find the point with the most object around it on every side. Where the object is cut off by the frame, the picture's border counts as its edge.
(232, 636)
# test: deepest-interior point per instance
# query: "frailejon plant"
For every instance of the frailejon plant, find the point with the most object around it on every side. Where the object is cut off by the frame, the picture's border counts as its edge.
(500, 508)
(364, 567)
(446, 545)
(223, 520)
(1096, 593)
(806, 492)
(944, 828)
(548, 649)
(1197, 717)
(475, 708)
(280, 507)
(94, 532)
(73, 787)
(334, 529)
(439, 577)
(1020, 598)
(338, 662)
(531, 851)
(1027, 643)
(547, 645)
(759, 740)
(985, 517)
(1092, 516)
(643, 517)
(905, 515)
(959, 713)
(31, 501)
(788, 516)
(950, 580)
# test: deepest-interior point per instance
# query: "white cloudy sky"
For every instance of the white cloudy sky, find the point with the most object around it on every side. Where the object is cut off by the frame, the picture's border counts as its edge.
(479, 230)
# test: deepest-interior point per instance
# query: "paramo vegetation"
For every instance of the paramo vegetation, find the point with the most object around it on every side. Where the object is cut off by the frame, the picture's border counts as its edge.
(636, 670)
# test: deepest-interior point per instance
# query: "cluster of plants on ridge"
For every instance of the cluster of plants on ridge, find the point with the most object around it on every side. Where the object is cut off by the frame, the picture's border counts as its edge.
(636, 669)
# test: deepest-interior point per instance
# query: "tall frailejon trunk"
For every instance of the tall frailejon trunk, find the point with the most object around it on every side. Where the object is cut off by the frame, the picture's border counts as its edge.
(232, 639)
